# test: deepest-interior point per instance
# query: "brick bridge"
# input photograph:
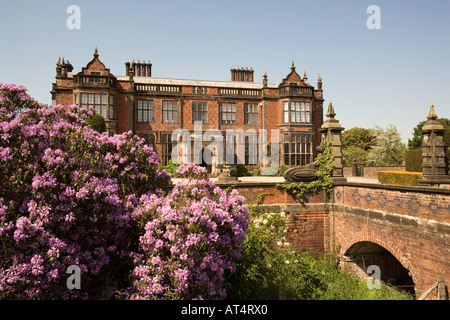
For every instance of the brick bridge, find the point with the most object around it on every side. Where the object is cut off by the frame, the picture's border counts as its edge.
(404, 230)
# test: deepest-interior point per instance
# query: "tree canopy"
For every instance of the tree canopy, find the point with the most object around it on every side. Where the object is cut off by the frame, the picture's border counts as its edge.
(359, 138)
(388, 148)
(356, 143)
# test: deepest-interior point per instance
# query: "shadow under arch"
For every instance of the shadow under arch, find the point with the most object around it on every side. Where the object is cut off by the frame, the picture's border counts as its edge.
(362, 254)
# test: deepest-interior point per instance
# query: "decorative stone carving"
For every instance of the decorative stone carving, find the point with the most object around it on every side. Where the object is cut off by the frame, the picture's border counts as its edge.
(434, 167)
(302, 174)
(225, 176)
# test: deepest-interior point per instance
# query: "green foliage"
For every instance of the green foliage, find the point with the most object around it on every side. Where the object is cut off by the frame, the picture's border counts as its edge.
(344, 286)
(171, 168)
(256, 170)
(282, 170)
(403, 178)
(96, 122)
(388, 148)
(239, 170)
(269, 264)
(354, 154)
(271, 268)
(413, 160)
(324, 181)
(358, 138)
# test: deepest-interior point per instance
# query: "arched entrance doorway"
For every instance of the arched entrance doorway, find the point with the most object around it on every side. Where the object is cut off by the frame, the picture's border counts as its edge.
(363, 254)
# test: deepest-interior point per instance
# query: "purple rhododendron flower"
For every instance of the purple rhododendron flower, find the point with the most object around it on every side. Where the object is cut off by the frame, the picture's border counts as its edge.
(72, 196)
(202, 230)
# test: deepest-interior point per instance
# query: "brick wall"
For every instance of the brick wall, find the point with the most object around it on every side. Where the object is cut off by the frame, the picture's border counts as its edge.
(412, 223)
(308, 225)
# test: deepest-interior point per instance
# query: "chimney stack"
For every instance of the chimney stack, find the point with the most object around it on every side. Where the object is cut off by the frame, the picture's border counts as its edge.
(241, 74)
(62, 68)
(138, 69)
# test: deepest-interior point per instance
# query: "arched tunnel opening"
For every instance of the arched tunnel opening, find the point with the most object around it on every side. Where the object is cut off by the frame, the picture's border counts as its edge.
(361, 255)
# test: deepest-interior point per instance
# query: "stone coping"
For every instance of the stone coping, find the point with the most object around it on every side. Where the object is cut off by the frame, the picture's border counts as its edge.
(272, 181)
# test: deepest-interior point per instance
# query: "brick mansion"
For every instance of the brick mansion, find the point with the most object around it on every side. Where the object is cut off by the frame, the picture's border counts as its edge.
(153, 107)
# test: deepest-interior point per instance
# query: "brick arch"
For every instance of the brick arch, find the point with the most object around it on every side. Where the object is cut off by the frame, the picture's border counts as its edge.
(386, 244)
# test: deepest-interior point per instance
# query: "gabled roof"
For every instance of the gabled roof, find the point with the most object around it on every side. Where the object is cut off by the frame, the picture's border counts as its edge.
(95, 65)
(293, 76)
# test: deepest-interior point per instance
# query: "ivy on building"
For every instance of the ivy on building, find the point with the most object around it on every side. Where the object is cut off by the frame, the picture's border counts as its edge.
(323, 181)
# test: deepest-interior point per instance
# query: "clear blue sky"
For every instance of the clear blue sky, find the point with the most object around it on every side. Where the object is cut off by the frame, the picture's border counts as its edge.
(373, 77)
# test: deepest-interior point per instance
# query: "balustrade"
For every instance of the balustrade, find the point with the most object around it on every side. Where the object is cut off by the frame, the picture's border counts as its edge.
(85, 80)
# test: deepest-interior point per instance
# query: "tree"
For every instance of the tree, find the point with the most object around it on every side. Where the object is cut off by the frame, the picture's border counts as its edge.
(360, 138)
(356, 143)
(96, 122)
(354, 154)
(15, 99)
(388, 148)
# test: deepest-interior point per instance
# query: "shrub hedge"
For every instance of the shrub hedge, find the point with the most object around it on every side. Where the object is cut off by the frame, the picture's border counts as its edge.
(96, 122)
(239, 170)
(403, 178)
(413, 160)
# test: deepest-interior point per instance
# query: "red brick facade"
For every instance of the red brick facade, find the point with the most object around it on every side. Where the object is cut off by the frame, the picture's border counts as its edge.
(262, 103)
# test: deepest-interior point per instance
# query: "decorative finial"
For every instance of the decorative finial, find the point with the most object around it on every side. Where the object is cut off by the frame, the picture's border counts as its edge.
(330, 113)
(432, 114)
(304, 75)
(59, 61)
(293, 66)
(265, 78)
(320, 78)
(96, 52)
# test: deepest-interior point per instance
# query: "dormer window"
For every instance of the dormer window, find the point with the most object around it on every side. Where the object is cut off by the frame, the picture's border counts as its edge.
(96, 78)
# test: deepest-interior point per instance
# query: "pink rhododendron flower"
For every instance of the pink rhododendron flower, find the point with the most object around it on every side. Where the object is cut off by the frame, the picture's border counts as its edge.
(72, 196)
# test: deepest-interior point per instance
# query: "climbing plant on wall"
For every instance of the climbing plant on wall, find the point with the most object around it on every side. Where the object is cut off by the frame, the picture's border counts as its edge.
(323, 181)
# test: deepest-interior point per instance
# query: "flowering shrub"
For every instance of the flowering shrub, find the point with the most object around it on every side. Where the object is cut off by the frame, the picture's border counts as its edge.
(66, 198)
(192, 237)
(72, 196)
(14, 99)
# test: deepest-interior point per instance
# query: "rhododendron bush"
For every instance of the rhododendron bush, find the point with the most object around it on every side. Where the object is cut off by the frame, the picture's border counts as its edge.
(72, 196)
(189, 238)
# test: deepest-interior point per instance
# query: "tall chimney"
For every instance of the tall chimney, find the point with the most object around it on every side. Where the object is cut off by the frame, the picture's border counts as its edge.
(233, 73)
(138, 68)
(149, 69)
(127, 68)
